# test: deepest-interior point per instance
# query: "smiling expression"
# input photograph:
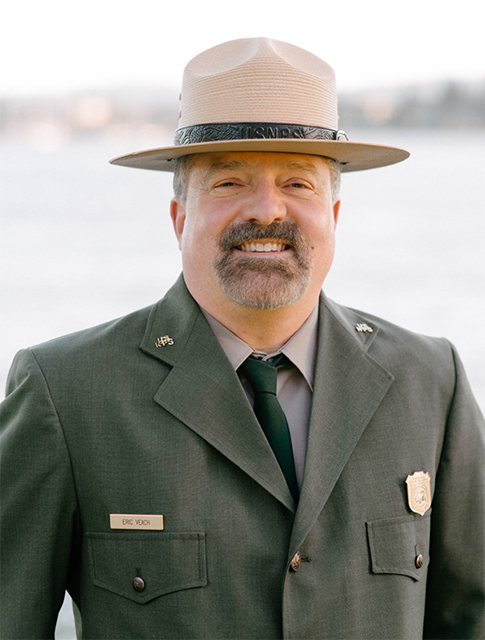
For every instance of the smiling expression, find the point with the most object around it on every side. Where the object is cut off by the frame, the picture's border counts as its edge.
(256, 229)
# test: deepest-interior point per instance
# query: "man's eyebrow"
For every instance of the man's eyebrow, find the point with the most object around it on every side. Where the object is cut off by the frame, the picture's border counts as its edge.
(217, 167)
(299, 165)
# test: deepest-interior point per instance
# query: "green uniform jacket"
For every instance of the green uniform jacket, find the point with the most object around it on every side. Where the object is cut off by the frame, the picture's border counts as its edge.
(104, 422)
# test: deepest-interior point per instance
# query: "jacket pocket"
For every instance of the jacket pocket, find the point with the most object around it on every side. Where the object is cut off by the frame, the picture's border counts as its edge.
(400, 545)
(142, 566)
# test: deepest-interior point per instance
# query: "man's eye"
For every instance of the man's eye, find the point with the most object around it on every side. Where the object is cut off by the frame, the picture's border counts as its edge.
(299, 185)
(227, 183)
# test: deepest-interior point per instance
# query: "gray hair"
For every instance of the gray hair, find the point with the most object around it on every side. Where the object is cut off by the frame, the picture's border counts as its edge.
(182, 170)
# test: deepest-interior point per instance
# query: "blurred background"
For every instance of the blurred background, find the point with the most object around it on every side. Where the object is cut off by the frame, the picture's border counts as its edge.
(83, 242)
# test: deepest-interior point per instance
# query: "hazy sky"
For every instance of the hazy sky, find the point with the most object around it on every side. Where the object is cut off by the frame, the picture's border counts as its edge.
(54, 46)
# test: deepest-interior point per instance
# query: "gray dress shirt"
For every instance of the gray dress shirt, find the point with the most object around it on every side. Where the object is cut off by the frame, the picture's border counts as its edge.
(294, 383)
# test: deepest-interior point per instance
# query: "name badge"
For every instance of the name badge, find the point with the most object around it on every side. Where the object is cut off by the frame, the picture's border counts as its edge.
(135, 521)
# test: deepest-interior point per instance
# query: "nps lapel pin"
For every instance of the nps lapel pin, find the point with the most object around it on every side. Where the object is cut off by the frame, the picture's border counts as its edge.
(419, 492)
(363, 328)
(163, 341)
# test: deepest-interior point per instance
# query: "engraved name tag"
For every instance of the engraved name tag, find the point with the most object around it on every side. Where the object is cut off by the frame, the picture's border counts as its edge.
(135, 521)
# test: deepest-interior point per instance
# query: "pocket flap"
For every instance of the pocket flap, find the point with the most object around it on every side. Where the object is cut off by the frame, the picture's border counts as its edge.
(396, 543)
(165, 562)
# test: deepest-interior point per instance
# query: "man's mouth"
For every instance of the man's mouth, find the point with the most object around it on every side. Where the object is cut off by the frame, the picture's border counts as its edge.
(263, 246)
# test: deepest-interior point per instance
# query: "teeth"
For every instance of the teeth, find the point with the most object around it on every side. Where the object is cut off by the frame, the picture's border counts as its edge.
(262, 246)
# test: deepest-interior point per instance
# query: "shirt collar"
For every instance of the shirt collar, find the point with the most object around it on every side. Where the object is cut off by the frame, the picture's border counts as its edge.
(301, 348)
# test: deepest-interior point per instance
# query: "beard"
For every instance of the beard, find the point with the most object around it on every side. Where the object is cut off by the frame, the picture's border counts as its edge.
(258, 282)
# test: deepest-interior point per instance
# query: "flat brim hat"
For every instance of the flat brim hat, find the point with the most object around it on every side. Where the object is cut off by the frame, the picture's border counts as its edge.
(257, 94)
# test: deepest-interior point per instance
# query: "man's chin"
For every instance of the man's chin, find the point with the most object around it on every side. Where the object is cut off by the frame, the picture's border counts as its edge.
(262, 282)
(264, 291)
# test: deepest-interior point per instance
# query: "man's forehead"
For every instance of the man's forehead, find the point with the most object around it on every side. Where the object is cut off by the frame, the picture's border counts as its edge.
(214, 162)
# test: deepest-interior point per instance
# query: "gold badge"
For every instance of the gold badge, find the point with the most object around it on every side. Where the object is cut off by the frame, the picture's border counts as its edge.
(419, 492)
(163, 341)
(135, 521)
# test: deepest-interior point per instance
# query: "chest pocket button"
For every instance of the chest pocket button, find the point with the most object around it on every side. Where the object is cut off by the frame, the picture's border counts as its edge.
(138, 584)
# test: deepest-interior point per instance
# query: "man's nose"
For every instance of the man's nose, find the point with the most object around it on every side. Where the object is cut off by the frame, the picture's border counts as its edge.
(266, 205)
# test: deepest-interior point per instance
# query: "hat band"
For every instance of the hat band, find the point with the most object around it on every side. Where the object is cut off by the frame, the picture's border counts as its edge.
(199, 133)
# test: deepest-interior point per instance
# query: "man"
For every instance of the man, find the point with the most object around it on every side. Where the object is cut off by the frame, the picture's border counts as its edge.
(246, 458)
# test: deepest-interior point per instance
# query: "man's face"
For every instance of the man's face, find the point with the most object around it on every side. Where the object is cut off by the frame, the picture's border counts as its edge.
(257, 229)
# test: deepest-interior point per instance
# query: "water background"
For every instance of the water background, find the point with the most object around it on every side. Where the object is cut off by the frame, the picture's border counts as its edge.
(83, 242)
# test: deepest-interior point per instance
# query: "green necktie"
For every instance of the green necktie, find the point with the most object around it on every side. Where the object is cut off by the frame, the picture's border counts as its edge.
(262, 377)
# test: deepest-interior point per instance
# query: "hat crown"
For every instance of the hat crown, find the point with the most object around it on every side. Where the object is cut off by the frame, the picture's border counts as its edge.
(258, 80)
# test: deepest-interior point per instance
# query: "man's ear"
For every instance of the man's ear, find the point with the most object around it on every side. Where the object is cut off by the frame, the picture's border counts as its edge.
(336, 210)
(177, 213)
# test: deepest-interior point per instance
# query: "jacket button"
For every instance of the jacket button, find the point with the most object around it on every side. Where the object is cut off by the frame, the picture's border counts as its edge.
(295, 563)
(419, 561)
(138, 584)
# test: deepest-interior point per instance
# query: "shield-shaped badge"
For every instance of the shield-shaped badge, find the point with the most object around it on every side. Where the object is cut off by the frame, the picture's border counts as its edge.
(419, 492)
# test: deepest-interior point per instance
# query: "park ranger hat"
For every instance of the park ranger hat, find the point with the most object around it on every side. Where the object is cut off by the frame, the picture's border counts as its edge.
(257, 94)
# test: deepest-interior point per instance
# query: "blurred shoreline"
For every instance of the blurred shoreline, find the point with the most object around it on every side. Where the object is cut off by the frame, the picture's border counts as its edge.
(120, 112)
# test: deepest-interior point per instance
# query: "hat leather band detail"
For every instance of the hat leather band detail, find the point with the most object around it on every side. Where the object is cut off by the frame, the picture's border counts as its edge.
(200, 133)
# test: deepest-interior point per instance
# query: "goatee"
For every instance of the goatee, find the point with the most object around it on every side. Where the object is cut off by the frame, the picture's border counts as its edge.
(263, 283)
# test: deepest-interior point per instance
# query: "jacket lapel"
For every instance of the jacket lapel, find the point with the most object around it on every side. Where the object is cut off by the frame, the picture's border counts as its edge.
(348, 387)
(203, 391)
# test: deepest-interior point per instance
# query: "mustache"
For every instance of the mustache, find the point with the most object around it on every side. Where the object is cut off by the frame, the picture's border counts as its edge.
(287, 231)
